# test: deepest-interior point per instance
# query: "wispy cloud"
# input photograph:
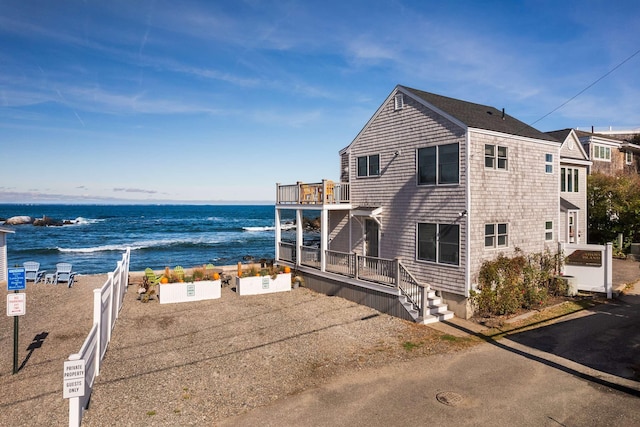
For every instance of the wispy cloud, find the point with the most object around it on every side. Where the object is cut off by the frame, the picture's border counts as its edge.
(134, 190)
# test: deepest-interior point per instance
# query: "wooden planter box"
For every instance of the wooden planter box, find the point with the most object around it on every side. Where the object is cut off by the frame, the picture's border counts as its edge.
(263, 284)
(193, 291)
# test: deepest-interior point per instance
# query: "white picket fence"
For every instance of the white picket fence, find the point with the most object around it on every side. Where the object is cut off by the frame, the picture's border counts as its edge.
(107, 302)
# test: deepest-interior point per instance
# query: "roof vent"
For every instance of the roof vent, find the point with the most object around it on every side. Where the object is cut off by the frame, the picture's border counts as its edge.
(399, 101)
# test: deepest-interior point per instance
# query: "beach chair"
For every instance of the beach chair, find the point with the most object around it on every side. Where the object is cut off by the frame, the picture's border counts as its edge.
(152, 278)
(33, 272)
(64, 274)
(179, 272)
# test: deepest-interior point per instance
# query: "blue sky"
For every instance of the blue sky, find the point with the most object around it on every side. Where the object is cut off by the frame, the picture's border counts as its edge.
(216, 101)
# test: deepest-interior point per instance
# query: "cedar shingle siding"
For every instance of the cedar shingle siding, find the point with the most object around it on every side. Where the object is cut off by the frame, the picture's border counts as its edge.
(523, 196)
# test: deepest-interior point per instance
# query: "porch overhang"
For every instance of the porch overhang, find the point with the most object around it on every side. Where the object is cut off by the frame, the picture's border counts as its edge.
(567, 206)
(372, 212)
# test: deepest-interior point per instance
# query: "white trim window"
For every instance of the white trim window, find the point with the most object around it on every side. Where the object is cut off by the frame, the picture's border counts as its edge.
(495, 157)
(601, 153)
(548, 163)
(368, 166)
(548, 231)
(398, 102)
(496, 235)
(438, 243)
(439, 165)
(628, 157)
(569, 180)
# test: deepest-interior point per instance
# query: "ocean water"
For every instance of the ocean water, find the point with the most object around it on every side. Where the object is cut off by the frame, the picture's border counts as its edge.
(158, 235)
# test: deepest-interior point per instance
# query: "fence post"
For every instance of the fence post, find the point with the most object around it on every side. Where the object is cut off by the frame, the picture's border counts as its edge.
(97, 308)
(75, 414)
(608, 269)
(357, 266)
(110, 306)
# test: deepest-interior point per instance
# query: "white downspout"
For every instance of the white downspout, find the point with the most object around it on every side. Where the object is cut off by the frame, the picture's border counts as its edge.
(467, 219)
(299, 239)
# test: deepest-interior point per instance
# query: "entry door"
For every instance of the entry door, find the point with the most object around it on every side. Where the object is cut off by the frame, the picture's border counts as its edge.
(372, 238)
(571, 229)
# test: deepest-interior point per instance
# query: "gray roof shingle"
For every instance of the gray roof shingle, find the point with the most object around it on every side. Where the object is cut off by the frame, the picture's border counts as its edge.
(480, 116)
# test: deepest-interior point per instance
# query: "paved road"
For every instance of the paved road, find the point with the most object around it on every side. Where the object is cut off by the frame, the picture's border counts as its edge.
(580, 372)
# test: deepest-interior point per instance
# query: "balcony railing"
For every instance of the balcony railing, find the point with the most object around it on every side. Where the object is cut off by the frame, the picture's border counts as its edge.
(325, 192)
(386, 272)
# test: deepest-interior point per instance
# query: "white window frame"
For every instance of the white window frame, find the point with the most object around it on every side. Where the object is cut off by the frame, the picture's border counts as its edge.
(496, 158)
(495, 235)
(548, 163)
(601, 153)
(628, 157)
(569, 180)
(548, 231)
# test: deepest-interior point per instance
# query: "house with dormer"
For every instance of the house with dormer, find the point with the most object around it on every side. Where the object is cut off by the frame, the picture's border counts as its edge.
(429, 189)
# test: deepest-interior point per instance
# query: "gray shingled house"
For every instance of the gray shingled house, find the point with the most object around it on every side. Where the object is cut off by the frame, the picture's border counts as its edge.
(429, 189)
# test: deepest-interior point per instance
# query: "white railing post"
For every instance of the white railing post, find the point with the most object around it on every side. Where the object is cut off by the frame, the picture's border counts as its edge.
(398, 277)
(299, 237)
(97, 308)
(109, 307)
(278, 234)
(608, 269)
(75, 411)
(423, 300)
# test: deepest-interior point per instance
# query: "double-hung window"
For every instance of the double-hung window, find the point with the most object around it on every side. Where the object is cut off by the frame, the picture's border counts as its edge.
(602, 153)
(369, 165)
(439, 243)
(495, 157)
(569, 179)
(548, 230)
(439, 165)
(496, 235)
(628, 157)
(548, 163)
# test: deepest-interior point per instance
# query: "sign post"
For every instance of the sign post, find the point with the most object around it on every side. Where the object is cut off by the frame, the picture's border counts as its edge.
(73, 378)
(16, 305)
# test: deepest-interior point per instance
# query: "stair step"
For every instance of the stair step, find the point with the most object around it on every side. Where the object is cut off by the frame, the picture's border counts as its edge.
(433, 318)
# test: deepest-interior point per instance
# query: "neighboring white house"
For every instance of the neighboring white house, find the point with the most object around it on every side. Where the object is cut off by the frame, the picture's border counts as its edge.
(439, 185)
(574, 168)
(3, 254)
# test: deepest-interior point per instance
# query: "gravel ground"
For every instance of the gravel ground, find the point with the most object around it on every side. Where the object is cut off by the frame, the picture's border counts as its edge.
(199, 362)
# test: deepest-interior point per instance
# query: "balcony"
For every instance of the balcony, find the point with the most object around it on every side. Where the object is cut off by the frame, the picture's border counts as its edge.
(322, 193)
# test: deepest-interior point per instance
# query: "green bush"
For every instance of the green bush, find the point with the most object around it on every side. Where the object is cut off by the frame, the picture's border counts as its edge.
(506, 285)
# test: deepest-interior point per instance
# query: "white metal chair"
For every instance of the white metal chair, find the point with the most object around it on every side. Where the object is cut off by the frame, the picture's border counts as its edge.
(64, 273)
(33, 272)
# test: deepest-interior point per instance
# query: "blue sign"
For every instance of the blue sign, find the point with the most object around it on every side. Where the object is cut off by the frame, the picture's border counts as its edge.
(16, 279)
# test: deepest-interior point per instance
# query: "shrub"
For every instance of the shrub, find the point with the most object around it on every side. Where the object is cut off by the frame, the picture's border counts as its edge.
(506, 285)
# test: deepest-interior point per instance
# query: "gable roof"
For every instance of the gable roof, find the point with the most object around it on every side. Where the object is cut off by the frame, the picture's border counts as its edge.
(479, 116)
(568, 154)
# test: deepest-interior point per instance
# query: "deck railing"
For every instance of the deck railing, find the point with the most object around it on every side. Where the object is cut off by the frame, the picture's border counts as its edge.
(382, 271)
(341, 263)
(377, 270)
(325, 192)
(287, 251)
(310, 256)
(410, 287)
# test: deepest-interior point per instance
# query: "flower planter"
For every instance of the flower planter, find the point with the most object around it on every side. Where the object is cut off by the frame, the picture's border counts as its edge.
(256, 285)
(192, 291)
